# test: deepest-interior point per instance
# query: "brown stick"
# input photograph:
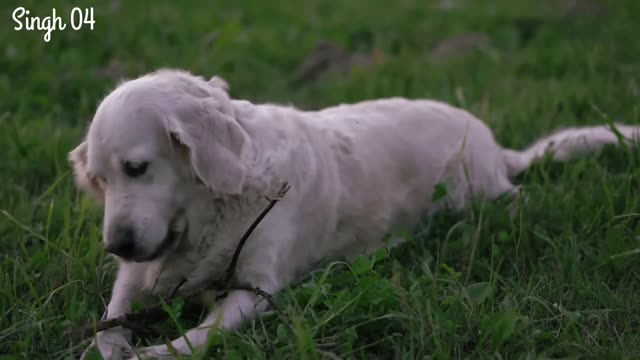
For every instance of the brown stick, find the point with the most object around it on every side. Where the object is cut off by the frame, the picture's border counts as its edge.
(231, 269)
(136, 320)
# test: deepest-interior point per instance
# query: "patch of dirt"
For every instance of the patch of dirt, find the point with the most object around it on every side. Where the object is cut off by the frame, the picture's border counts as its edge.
(329, 59)
(573, 8)
(459, 45)
(112, 70)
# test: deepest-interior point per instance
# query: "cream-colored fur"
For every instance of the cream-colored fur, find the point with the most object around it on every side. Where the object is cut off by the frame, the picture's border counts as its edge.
(357, 172)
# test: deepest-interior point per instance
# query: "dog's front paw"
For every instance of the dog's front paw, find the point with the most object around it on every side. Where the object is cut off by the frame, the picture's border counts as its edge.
(153, 352)
(113, 344)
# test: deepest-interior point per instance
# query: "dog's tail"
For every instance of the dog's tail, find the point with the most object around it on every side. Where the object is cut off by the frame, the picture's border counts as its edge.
(568, 144)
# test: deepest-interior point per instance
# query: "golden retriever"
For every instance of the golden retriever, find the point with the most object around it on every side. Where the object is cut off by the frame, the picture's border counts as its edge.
(183, 169)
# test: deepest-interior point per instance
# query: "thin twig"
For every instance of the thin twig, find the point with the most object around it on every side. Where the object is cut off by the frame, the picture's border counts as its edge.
(175, 290)
(136, 320)
(231, 269)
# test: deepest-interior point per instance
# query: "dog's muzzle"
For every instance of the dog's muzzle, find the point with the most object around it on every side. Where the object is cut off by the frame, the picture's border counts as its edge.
(124, 241)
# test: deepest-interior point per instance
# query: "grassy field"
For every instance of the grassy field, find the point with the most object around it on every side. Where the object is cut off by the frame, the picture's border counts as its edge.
(560, 280)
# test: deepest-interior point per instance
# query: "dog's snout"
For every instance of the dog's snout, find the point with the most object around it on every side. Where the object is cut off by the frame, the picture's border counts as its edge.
(122, 243)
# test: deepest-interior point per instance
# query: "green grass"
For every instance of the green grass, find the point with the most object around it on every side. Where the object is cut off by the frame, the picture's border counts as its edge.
(560, 280)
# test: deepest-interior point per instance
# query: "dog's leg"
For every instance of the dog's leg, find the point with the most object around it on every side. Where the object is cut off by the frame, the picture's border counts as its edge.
(258, 265)
(114, 343)
(229, 314)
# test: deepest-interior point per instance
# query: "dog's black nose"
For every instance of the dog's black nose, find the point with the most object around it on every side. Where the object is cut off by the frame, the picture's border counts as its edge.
(122, 242)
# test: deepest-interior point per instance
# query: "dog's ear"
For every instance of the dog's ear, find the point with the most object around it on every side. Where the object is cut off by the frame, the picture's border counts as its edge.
(215, 140)
(218, 82)
(84, 181)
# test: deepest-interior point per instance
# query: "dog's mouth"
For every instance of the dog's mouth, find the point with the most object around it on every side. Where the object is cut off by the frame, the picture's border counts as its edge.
(177, 231)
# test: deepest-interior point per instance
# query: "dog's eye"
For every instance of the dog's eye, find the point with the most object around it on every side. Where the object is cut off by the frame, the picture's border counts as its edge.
(134, 169)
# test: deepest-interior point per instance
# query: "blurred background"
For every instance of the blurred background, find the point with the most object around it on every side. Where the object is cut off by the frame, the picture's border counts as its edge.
(504, 60)
(525, 67)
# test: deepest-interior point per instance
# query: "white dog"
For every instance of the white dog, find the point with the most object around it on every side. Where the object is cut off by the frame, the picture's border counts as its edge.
(183, 170)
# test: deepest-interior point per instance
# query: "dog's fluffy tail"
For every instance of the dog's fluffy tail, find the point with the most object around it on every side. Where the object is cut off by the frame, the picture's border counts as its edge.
(569, 143)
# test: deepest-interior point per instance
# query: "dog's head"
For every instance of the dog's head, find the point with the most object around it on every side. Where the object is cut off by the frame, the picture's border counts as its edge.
(153, 141)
